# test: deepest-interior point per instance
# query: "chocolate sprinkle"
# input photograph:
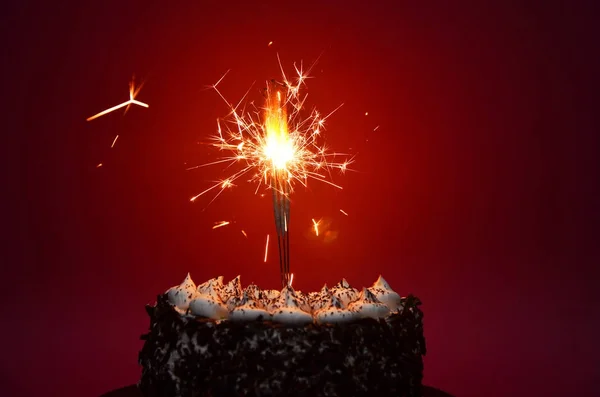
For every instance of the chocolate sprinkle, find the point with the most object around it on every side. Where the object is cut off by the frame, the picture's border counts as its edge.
(184, 356)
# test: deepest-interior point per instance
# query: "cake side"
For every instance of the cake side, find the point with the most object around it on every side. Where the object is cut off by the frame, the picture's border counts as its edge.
(184, 355)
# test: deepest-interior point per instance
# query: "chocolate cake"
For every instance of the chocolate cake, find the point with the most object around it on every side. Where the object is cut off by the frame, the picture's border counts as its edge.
(336, 342)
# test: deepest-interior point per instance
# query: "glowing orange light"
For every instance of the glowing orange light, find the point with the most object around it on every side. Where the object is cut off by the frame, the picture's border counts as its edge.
(114, 141)
(244, 233)
(99, 165)
(343, 212)
(276, 144)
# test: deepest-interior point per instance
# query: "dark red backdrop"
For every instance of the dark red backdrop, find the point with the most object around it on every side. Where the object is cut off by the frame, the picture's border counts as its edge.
(474, 192)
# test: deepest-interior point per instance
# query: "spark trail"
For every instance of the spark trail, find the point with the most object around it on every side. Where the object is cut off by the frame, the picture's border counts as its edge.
(132, 101)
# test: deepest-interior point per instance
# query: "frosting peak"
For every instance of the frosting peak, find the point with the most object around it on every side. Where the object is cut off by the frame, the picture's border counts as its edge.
(343, 284)
(288, 310)
(367, 305)
(181, 295)
(212, 287)
(231, 293)
(384, 293)
(215, 300)
(288, 298)
(252, 291)
(249, 308)
(345, 293)
(381, 283)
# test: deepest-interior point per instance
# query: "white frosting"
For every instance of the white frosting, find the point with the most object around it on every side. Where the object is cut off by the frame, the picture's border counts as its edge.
(340, 304)
(252, 291)
(335, 315)
(180, 296)
(345, 293)
(232, 288)
(303, 301)
(206, 306)
(231, 293)
(287, 309)
(320, 300)
(249, 309)
(270, 293)
(268, 298)
(367, 305)
(382, 291)
(208, 302)
(211, 287)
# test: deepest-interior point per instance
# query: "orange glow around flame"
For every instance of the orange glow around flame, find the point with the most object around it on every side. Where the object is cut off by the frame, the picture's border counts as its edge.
(274, 146)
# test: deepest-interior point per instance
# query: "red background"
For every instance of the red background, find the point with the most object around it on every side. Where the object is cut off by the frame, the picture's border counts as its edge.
(475, 193)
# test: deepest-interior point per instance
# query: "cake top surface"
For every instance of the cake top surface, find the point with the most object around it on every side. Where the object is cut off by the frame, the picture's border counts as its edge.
(214, 299)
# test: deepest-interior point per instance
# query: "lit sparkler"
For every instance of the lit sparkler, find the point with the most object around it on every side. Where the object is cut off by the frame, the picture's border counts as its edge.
(275, 146)
(132, 101)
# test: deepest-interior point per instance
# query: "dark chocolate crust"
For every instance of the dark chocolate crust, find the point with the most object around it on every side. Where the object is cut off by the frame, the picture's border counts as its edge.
(184, 356)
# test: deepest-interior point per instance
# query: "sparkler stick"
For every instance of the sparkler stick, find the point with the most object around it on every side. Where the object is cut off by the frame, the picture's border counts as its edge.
(280, 152)
(277, 146)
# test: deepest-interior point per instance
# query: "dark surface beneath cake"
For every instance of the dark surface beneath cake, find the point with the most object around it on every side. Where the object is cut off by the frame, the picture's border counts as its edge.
(133, 391)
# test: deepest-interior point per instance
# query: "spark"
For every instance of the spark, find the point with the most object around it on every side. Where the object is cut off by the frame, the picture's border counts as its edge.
(275, 146)
(132, 101)
(343, 212)
(270, 44)
(291, 279)
(220, 224)
(114, 141)
(316, 227)
(244, 233)
(376, 128)
(366, 113)
(99, 165)
(267, 248)
(224, 184)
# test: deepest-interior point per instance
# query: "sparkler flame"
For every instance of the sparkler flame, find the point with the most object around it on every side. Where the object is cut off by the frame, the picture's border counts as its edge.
(275, 147)
(277, 142)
